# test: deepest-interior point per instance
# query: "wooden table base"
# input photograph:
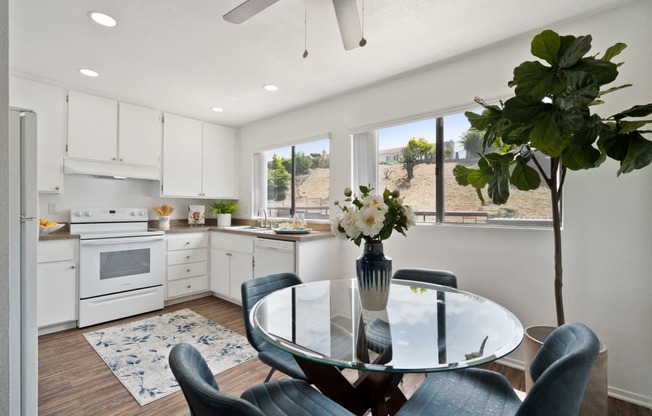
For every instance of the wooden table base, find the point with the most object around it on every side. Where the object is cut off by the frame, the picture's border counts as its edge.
(369, 391)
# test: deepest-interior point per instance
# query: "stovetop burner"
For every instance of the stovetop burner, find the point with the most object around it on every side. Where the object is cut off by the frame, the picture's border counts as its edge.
(100, 223)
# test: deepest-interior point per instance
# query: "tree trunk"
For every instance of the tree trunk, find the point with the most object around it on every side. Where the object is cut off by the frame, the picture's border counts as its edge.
(557, 178)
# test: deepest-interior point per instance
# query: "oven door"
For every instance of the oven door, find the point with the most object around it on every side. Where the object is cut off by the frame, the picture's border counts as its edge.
(114, 265)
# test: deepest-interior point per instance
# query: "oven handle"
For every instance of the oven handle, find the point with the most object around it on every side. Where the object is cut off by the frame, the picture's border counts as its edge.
(125, 240)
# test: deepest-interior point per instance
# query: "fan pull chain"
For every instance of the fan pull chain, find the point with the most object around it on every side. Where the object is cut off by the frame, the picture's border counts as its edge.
(363, 41)
(305, 29)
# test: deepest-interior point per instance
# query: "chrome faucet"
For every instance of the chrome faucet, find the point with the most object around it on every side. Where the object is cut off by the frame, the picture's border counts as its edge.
(264, 222)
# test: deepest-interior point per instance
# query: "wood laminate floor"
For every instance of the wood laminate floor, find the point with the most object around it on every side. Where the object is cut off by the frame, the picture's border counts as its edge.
(74, 381)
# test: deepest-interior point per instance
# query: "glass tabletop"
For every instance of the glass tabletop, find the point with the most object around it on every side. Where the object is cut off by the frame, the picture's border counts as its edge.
(424, 328)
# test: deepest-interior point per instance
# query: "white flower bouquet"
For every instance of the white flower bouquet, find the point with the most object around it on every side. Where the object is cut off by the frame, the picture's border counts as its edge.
(372, 218)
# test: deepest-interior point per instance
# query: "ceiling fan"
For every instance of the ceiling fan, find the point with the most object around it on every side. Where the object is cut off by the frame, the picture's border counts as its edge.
(346, 11)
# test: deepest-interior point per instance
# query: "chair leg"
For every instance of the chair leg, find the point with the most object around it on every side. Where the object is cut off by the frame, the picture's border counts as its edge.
(269, 375)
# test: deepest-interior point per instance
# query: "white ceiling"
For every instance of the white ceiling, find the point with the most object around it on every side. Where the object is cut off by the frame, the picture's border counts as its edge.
(180, 56)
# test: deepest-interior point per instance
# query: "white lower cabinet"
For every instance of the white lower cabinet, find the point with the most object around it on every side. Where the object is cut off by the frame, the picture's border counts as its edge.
(56, 279)
(187, 264)
(231, 263)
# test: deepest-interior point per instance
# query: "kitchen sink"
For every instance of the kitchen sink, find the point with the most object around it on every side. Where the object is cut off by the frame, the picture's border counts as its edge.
(254, 229)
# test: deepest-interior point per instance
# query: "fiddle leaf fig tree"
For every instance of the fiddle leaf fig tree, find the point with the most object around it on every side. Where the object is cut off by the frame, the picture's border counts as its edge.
(550, 117)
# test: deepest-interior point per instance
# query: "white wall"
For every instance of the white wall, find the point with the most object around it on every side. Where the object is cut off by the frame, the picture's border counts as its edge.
(607, 236)
(85, 191)
(4, 213)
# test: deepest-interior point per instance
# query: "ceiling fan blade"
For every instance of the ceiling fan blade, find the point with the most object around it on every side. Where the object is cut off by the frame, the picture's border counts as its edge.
(246, 10)
(349, 21)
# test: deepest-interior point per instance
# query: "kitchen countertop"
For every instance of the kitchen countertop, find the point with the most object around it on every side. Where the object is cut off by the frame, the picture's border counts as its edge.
(182, 226)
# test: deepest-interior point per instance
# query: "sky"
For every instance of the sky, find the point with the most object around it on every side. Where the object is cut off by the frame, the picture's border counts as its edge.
(396, 136)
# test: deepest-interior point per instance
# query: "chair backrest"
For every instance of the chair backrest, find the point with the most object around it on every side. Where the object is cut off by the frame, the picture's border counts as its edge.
(560, 371)
(254, 290)
(438, 277)
(200, 388)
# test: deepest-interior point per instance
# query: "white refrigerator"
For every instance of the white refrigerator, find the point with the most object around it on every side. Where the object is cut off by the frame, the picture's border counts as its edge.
(23, 241)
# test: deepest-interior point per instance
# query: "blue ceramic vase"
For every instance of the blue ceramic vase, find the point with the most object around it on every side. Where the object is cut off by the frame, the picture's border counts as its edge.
(374, 272)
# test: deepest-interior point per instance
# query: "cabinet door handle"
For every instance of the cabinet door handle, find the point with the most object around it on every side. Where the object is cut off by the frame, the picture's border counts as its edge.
(56, 188)
(113, 158)
(187, 257)
(187, 270)
(189, 286)
(187, 242)
(121, 160)
(73, 267)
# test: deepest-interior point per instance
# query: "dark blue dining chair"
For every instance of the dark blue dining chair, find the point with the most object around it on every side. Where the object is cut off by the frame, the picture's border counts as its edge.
(276, 398)
(252, 291)
(560, 371)
(434, 276)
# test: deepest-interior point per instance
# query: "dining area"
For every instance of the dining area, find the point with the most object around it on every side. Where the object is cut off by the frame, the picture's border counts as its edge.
(343, 359)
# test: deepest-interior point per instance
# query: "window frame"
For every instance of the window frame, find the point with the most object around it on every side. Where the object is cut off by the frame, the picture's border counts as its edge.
(259, 179)
(440, 212)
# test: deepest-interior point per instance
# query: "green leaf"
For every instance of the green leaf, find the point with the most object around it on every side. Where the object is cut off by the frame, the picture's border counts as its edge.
(636, 111)
(495, 170)
(524, 177)
(581, 156)
(546, 136)
(574, 51)
(581, 89)
(630, 126)
(461, 174)
(532, 78)
(525, 109)
(545, 45)
(604, 72)
(614, 89)
(613, 51)
(480, 122)
(639, 153)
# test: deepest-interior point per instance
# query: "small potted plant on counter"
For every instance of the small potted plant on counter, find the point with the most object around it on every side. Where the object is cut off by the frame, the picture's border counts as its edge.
(223, 210)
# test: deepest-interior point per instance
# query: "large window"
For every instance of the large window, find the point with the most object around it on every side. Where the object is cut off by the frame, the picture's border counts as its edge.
(294, 179)
(418, 158)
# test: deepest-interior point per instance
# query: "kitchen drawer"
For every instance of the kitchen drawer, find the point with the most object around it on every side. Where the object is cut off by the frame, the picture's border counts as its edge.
(187, 240)
(230, 242)
(180, 271)
(187, 286)
(187, 256)
(57, 250)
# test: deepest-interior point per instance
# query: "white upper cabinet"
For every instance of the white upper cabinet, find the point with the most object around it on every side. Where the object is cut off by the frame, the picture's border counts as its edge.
(92, 127)
(139, 135)
(49, 103)
(102, 129)
(219, 161)
(182, 156)
(198, 159)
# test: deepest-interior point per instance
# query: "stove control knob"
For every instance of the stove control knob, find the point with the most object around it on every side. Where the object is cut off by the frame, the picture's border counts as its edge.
(78, 214)
(141, 213)
(87, 214)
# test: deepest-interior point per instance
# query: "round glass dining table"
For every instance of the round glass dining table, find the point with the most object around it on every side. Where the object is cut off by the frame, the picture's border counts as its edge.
(425, 328)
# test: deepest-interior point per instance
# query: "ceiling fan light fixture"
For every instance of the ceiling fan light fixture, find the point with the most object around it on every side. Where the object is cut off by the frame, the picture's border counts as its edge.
(89, 72)
(270, 87)
(102, 19)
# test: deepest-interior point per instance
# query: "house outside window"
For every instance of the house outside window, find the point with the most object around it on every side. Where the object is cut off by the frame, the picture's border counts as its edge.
(417, 158)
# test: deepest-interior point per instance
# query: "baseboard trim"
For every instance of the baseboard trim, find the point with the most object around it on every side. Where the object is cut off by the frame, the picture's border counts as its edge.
(56, 328)
(627, 396)
(616, 393)
(174, 301)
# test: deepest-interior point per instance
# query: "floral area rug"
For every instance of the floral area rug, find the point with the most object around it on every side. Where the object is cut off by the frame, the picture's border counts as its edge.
(138, 352)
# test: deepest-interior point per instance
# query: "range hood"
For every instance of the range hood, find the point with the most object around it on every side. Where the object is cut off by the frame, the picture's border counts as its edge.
(107, 169)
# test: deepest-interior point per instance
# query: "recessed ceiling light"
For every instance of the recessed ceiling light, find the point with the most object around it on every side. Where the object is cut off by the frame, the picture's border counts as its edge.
(102, 19)
(270, 87)
(217, 109)
(89, 72)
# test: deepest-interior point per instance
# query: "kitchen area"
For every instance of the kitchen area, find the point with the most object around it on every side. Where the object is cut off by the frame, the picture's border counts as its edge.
(103, 166)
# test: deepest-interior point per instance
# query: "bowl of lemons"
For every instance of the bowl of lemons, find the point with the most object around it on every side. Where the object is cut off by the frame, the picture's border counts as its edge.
(47, 227)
